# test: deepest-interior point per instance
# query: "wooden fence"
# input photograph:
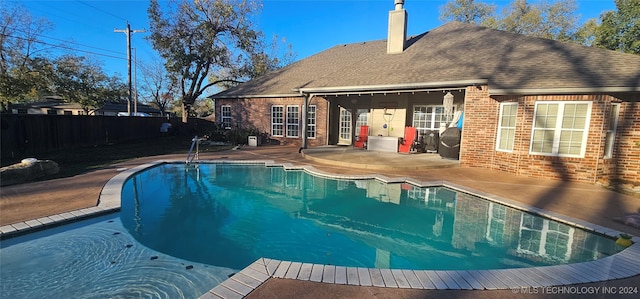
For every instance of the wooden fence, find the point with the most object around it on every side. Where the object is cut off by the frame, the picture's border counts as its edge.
(27, 134)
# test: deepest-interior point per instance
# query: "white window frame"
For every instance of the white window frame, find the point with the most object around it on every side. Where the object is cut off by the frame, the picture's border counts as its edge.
(557, 129)
(363, 118)
(502, 127)
(311, 122)
(293, 121)
(434, 116)
(277, 176)
(277, 121)
(545, 235)
(612, 127)
(225, 116)
(496, 223)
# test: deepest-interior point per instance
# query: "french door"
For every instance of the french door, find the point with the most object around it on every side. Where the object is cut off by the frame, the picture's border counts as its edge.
(345, 130)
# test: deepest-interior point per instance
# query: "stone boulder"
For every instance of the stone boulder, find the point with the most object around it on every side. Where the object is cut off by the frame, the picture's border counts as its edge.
(27, 170)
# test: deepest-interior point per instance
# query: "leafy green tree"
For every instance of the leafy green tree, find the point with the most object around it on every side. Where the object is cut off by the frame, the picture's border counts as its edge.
(23, 68)
(542, 19)
(467, 11)
(586, 34)
(206, 42)
(28, 73)
(554, 20)
(620, 30)
(82, 81)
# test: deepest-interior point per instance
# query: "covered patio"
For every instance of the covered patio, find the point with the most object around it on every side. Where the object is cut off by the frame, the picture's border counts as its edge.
(349, 157)
(386, 110)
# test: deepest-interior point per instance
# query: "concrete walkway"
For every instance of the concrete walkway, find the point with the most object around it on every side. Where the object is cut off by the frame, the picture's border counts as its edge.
(582, 201)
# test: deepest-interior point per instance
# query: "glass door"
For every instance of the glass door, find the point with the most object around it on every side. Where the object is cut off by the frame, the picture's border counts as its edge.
(345, 135)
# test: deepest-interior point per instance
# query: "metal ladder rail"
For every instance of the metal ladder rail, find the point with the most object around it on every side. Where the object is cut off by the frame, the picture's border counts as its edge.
(194, 142)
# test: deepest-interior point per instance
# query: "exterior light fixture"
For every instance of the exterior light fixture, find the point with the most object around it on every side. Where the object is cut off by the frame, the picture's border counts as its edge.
(447, 102)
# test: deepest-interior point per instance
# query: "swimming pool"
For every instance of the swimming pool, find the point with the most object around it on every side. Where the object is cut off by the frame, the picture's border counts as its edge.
(147, 216)
(230, 215)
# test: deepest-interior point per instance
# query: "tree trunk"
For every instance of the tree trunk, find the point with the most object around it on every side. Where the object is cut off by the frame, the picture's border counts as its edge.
(185, 112)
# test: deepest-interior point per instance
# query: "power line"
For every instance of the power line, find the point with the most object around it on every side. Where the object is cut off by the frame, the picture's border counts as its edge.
(102, 10)
(64, 41)
(64, 47)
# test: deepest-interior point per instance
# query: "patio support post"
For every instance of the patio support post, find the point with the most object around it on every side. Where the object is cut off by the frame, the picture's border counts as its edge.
(354, 119)
(305, 111)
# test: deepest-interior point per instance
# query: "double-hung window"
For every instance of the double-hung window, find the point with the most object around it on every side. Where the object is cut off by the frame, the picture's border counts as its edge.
(277, 120)
(495, 225)
(611, 130)
(560, 128)
(226, 116)
(507, 127)
(428, 118)
(293, 121)
(311, 121)
(546, 238)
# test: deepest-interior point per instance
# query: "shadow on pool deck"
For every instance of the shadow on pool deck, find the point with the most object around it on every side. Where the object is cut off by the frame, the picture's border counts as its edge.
(583, 201)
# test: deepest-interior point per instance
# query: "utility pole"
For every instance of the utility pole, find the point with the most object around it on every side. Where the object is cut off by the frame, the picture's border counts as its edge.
(135, 81)
(128, 32)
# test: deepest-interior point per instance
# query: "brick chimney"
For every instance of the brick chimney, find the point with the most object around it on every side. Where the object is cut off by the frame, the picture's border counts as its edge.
(397, 28)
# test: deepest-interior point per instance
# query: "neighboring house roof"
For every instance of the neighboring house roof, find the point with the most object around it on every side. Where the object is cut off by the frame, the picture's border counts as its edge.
(454, 54)
(120, 107)
(52, 104)
(108, 106)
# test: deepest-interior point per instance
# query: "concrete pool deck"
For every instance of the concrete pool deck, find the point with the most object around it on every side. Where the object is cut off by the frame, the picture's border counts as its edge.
(583, 202)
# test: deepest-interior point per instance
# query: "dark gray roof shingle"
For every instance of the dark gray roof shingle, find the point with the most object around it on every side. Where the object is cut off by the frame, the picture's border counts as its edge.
(454, 52)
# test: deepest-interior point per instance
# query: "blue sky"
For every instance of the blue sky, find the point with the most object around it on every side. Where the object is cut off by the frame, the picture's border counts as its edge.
(310, 26)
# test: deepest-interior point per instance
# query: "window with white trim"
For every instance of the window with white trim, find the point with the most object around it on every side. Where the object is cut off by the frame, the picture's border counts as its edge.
(311, 122)
(225, 114)
(277, 176)
(429, 117)
(544, 237)
(507, 127)
(363, 118)
(277, 120)
(495, 223)
(293, 121)
(611, 130)
(560, 128)
(292, 179)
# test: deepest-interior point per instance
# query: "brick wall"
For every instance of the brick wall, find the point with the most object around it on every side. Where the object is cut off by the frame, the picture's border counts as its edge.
(480, 132)
(470, 222)
(256, 112)
(625, 164)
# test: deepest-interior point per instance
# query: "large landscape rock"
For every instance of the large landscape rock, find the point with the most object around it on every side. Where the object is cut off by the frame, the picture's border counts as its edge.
(28, 170)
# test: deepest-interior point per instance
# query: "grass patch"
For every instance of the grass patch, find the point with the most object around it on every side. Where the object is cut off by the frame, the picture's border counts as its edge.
(81, 160)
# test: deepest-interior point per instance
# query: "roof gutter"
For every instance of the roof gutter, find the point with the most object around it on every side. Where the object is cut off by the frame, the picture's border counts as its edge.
(550, 91)
(390, 88)
(283, 95)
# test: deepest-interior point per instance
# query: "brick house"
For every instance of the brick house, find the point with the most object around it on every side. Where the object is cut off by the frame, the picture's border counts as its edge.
(531, 106)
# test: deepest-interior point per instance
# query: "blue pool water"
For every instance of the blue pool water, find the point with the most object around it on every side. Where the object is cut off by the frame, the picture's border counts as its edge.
(231, 215)
(97, 258)
(182, 230)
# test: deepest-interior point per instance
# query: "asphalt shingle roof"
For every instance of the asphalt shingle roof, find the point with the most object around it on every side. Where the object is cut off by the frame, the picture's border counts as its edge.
(454, 52)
